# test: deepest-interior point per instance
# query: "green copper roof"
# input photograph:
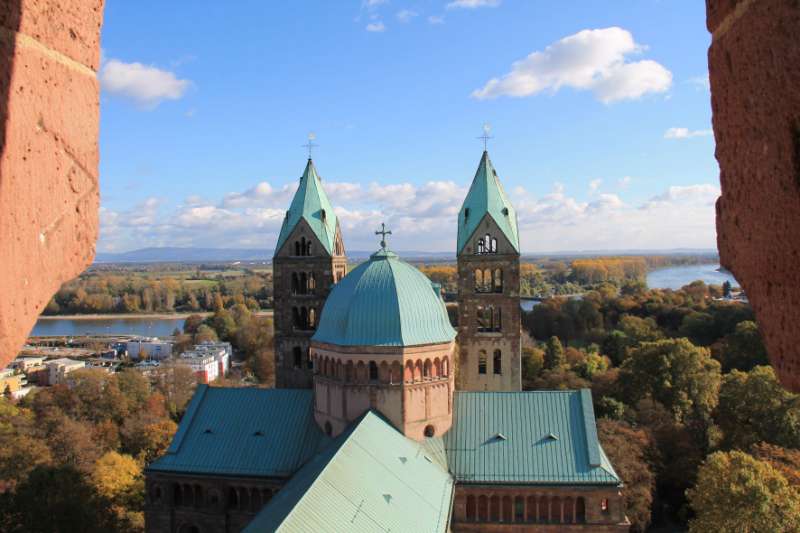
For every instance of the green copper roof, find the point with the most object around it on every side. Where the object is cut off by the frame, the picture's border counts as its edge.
(384, 302)
(486, 196)
(244, 431)
(538, 437)
(309, 203)
(372, 478)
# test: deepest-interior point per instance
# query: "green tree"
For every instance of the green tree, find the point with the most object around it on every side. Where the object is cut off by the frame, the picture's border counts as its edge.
(679, 375)
(554, 354)
(205, 334)
(735, 492)
(698, 328)
(754, 407)
(640, 329)
(615, 346)
(742, 350)
(191, 324)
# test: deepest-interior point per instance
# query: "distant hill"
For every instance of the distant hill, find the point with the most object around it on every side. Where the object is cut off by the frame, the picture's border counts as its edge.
(224, 255)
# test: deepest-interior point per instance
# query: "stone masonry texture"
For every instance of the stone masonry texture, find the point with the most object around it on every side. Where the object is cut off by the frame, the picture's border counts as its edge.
(49, 120)
(754, 64)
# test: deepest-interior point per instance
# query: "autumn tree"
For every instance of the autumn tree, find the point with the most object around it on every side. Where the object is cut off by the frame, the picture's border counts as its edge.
(554, 354)
(630, 450)
(736, 492)
(742, 350)
(682, 377)
(118, 478)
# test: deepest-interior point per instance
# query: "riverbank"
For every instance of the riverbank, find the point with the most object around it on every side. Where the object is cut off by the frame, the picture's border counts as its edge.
(139, 316)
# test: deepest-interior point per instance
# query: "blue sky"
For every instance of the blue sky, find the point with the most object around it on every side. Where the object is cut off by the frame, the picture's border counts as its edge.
(600, 114)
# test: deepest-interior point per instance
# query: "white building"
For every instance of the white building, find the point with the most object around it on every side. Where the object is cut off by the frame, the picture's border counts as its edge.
(59, 368)
(209, 360)
(152, 348)
(23, 364)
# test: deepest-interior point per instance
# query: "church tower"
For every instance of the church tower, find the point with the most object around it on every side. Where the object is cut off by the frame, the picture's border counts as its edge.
(309, 259)
(488, 287)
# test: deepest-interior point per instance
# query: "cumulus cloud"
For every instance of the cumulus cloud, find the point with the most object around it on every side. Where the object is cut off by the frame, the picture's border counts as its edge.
(472, 4)
(686, 133)
(406, 15)
(376, 27)
(422, 217)
(145, 85)
(593, 60)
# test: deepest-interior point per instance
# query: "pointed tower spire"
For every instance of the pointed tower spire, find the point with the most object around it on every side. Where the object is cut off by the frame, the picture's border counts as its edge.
(310, 203)
(487, 197)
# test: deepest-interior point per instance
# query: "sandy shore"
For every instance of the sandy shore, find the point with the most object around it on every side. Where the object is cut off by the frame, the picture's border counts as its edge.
(136, 316)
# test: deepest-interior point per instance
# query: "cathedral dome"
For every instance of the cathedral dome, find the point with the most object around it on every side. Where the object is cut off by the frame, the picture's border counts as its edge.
(384, 302)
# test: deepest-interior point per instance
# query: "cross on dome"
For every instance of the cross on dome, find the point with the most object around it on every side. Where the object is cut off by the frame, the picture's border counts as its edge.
(383, 233)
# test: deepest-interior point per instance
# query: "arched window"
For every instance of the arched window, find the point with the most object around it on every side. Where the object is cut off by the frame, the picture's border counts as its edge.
(409, 377)
(295, 283)
(437, 367)
(479, 247)
(482, 362)
(349, 375)
(544, 510)
(233, 498)
(478, 280)
(297, 355)
(373, 371)
(384, 374)
(487, 280)
(497, 319)
(297, 249)
(497, 362)
(312, 318)
(555, 510)
(498, 280)
(569, 504)
(580, 510)
(482, 323)
(507, 511)
(312, 283)
(531, 509)
(361, 372)
(519, 509)
(483, 509)
(303, 283)
(302, 246)
(303, 318)
(430, 431)
(177, 495)
(309, 361)
(418, 370)
(397, 373)
(472, 514)
(296, 317)
(494, 246)
(339, 372)
(426, 369)
(494, 508)
(604, 508)
(308, 248)
(446, 366)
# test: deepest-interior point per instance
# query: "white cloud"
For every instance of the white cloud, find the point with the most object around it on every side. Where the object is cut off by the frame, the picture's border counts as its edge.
(435, 19)
(146, 85)
(422, 217)
(701, 82)
(686, 133)
(406, 15)
(472, 4)
(594, 185)
(593, 60)
(624, 181)
(376, 27)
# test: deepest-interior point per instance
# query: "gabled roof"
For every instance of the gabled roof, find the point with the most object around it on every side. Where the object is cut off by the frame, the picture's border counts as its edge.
(384, 302)
(538, 437)
(244, 431)
(486, 197)
(310, 203)
(372, 478)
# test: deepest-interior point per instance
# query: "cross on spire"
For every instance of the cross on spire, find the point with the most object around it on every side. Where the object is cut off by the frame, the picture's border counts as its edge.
(383, 233)
(310, 144)
(485, 137)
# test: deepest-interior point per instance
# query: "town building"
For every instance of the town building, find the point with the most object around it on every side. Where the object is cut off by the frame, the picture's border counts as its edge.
(13, 383)
(59, 369)
(152, 348)
(383, 440)
(208, 360)
(309, 259)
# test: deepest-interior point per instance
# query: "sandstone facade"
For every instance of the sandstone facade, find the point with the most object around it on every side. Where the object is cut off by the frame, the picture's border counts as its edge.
(49, 120)
(754, 64)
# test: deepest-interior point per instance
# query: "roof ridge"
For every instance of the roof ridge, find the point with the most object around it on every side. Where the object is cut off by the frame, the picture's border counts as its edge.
(397, 300)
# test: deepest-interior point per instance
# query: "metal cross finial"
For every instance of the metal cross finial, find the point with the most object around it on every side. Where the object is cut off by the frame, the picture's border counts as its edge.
(310, 144)
(383, 233)
(487, 128)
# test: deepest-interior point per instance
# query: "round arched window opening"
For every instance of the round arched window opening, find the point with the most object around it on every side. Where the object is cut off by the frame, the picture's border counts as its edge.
(430, 431)
(328, 429)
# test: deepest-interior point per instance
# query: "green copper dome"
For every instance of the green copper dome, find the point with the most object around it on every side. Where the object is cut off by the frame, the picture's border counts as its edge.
(384, 302)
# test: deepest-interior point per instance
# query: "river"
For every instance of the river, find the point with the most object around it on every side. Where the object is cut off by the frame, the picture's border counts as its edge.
(677, 276)
(146, 326)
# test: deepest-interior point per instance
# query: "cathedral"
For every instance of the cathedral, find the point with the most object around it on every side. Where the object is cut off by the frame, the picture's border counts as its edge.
(386, 418)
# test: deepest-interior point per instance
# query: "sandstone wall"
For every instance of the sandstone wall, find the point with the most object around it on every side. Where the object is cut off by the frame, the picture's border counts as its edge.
(754, 64)
(49, 121)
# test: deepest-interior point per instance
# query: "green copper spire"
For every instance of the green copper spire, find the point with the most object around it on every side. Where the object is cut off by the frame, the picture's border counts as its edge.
(310, 203)
(486, 196)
